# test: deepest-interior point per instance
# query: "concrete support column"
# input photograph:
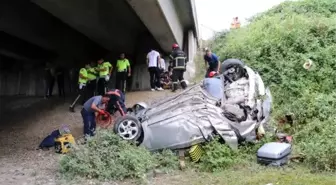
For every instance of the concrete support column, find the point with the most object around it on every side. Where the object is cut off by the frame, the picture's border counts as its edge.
(140, 74)
(192, 48)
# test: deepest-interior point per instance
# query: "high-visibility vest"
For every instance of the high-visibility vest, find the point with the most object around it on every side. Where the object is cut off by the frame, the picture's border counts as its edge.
(84, 73)
(91, 73)
(106, 65)
(122, 65)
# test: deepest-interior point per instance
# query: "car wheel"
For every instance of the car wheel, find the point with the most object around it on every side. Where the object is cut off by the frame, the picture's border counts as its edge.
(128, 127)
(230, 62)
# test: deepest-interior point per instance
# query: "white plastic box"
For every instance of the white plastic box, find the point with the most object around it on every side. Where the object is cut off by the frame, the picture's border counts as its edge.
(274, 154)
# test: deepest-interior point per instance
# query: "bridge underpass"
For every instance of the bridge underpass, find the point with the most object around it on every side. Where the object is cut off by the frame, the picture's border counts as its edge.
(70, 33)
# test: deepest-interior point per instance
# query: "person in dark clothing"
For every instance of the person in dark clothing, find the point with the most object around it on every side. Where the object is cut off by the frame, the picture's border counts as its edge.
(88, 113)
(48, 81)
(179, 62)
(60, 81)
(211, 60)
(73, 81)
(116, 102)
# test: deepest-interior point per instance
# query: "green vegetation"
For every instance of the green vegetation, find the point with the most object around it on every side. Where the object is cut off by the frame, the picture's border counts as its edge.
(277, 43)
(107, 156)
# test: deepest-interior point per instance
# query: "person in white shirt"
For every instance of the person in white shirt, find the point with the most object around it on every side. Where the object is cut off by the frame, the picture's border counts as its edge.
(162, 65)
(153, 58)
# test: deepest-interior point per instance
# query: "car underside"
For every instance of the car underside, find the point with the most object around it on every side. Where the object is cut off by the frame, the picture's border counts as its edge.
(233, 105)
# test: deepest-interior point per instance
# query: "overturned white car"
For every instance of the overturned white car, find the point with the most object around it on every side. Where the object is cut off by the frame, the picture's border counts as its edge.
(234, 105)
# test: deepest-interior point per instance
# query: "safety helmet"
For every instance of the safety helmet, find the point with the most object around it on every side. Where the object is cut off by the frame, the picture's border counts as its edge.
(175, 46)
(212, 74)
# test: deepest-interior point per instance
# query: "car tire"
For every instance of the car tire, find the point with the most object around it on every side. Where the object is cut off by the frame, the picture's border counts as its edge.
(230, 62)
(128, 128)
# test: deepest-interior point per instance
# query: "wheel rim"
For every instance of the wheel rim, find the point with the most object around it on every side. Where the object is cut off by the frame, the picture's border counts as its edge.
(128, 129)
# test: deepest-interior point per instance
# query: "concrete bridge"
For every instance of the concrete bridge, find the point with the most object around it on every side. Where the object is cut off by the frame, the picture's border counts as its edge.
(72, 32)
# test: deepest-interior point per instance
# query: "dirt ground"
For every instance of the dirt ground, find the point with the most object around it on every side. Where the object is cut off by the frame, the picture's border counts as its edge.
(25, 121)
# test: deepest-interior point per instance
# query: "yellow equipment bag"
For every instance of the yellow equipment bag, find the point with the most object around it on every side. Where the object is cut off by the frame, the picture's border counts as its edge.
(196, 153)
(64, 143)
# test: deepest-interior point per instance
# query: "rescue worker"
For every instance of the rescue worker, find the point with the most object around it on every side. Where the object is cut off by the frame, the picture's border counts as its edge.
(179, 62)
(92, 80)
(105, 71)
(82, 81)
(116, 102)
(88, 113)
(123, 71)
(211, 60)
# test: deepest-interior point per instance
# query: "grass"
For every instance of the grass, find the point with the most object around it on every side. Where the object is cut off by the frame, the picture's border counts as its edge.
(254, 175)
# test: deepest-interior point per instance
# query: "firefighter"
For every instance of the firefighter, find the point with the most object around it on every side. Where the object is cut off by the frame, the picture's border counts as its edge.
(116, 102)
(82, 81)
(179, 62)
(105, 70)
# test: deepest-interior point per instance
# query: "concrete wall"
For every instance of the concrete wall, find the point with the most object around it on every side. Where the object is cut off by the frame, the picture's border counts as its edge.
(161, 19)
(192, 49)
(29, 33)
(24, 78)
(29, 22)
(111, 23)
(169, 11)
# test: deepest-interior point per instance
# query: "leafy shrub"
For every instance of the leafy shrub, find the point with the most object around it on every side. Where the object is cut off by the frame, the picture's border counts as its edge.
(277, 43)
(218, 157)
(107, 156)
(317, 142)
(166, 161)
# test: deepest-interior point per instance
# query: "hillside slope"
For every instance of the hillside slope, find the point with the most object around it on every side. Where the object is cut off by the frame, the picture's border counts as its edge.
(277, 44)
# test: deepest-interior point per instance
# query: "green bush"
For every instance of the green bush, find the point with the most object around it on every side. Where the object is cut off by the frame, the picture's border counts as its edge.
(107, 156)
(166, 160)
(276, 44)
(317, 142)
(217, 157)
